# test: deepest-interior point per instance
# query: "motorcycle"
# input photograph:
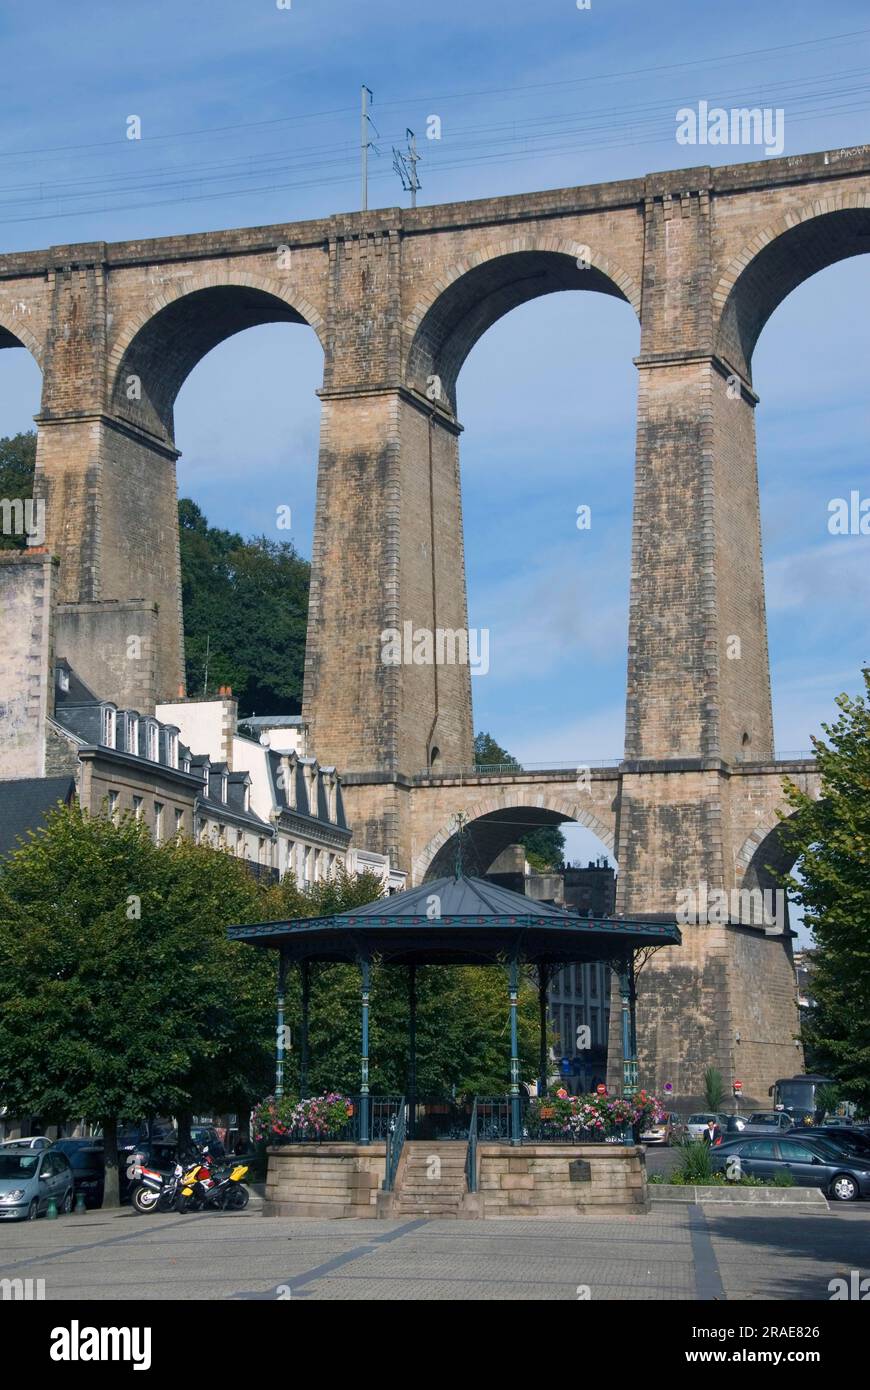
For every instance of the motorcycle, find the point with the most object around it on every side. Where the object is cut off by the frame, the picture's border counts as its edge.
(215, 1191)
(155, 1191)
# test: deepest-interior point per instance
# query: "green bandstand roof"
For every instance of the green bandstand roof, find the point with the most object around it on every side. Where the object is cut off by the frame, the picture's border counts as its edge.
(459, 921)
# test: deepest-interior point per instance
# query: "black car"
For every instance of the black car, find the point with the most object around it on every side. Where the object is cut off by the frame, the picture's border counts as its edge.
(86, 1160)
(845, 1139)
(89, 1155)
(811, 1161)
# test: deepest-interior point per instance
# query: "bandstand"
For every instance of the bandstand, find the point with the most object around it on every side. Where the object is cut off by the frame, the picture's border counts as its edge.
(508, 1167)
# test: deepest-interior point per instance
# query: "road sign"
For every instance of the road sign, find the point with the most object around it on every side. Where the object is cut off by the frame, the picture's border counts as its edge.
(738, 1087)
(601, 1090)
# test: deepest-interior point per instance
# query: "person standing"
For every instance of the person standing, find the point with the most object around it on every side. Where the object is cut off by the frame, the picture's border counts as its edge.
(712, 1133)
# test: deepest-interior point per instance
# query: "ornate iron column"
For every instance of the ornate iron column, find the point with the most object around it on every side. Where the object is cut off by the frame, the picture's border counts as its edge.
(365, 968)
(516, 1121)
(412, 1052)
(543, 1067)
(629, 1030)
(306, 999)
(280, 1030)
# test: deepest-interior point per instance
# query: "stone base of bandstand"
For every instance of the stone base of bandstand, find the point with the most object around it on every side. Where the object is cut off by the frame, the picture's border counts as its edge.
(536, 1180)
(325, 1180)
(528, 1180)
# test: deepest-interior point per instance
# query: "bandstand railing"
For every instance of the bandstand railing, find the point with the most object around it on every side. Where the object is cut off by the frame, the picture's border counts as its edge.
(491, 1124)
(396, 1133)
(471, 1153)
(382, 1117)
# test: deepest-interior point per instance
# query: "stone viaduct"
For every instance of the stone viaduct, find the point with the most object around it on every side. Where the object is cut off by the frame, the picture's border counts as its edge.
(398, 298)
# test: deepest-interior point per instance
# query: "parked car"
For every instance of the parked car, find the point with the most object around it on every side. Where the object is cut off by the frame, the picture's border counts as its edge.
(767, 1122)
(28, 1178)
(203, 1135)
(812, 1162)
(669, 1130)
(849, 1142)
(696, 1124)
(86, 1160)
(36, 1141)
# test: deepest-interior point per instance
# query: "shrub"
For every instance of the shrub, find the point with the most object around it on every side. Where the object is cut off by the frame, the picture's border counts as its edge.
(694, 1163)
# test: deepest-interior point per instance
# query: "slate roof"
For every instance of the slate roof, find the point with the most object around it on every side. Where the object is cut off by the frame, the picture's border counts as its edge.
(24, 803)
(459, 920)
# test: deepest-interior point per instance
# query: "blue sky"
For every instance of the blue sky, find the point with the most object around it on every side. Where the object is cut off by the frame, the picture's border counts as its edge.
(250, 115)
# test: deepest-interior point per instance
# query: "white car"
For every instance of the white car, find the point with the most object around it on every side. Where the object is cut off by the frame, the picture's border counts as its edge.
(696, 1124)
(36, 1141)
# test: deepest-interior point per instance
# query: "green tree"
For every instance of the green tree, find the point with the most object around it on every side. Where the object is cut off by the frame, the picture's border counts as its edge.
(17, 464)
(488, 753)
(830, 838)
(245, 606)
(462, 1012)
(120, 996)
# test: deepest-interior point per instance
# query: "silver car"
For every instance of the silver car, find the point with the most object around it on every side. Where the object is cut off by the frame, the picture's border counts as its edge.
(29, 1178)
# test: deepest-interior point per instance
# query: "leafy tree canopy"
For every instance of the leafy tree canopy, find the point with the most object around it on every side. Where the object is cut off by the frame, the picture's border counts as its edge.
(17, 464)
(831, 839)
(246, 608)
(120, 995)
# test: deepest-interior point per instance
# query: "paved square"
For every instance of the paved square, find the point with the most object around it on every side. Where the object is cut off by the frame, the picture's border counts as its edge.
(674, 1253)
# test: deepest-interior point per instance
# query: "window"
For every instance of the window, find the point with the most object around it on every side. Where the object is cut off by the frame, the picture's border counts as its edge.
(158, 822)
(796, 1153)
(200, 834)
(132, 735)
(578, 981)
(151, 742)
(113, 807)
(593, 981)
(137, 807)
(225, 781)
(107, 733)
(593, 1026)
(172, 748)
(179, 822)
(759, 1148)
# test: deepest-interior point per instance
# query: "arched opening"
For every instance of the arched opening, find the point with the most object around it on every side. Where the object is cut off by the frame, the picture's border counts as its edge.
(217, 374)
(21, 523)
(162, 353)
(789, 317)
(791, 255)
(544, 386)
(445, 331)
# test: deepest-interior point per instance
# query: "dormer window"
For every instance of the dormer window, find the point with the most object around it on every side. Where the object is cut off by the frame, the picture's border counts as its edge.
(132, 734)
(62, 679)
(152, 742)
(107, 729)
(224, 784)
(205, 772)
(171, 748)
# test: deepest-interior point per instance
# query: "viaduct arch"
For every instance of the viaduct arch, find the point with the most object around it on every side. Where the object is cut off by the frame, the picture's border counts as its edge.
(399, 296)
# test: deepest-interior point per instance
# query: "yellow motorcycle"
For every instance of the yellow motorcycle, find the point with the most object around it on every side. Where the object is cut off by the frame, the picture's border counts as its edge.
(204, 1190)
